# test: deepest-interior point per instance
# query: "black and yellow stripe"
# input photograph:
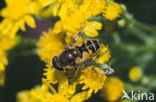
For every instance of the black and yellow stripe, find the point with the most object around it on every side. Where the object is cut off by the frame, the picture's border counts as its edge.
(88, 45)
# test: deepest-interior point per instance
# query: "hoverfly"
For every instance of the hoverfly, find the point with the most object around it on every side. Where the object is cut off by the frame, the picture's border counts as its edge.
(76, 53)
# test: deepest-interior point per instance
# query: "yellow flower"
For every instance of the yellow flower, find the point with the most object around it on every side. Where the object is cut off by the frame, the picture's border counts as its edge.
(16, 14)
(71, 18)
(58, 3)
(91, 27)
(53, 76)
(66, 93)
(24, 96)
(91, 8)
(104, 56)
(112, 11)
(112, 89)
(58, 28)
(6, 42)
(49, 45)
(93, 78)
(135, 74)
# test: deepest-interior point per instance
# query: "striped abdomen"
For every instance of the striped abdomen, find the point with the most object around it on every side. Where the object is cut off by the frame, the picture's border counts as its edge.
(88, 48)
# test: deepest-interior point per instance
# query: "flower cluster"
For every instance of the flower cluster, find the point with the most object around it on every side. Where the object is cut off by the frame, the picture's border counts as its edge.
(74, 18)
(47, 93)
(15, 15)
(51, 45)
(75, 14)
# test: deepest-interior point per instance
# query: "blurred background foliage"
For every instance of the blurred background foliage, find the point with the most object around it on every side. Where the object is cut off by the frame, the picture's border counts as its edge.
(131, 45)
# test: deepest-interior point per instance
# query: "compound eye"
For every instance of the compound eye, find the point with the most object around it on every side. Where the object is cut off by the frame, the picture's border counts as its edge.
(66, 58)
(56, 63)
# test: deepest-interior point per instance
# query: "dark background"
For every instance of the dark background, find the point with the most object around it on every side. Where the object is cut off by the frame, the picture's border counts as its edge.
(21, 75)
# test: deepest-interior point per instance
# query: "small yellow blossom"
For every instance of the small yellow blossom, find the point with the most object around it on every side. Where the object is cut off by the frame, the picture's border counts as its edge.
(135, 74)
(6, 42)
(47, 93)
(112, 11)
(71, 18)
(52, 75)
(16, 14)
(112, 89)
(104, 56)
(49, 45)
(58, 3)
(93, 78)
(24, 96)
(91, 8)
(58, 28)
(91, 28)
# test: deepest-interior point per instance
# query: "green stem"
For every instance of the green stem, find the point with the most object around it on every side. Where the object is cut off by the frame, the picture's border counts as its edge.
(137, 48)
(145, 27)
(139, 33)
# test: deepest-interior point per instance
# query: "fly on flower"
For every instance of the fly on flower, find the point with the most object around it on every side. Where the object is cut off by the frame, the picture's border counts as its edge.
(77, 52)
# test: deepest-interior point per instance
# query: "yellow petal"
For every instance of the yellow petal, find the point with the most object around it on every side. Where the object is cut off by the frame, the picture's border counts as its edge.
(22, 24)
(30, 21)
(55, 9)
(8, 26)
(91, 28)
(14, 30)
